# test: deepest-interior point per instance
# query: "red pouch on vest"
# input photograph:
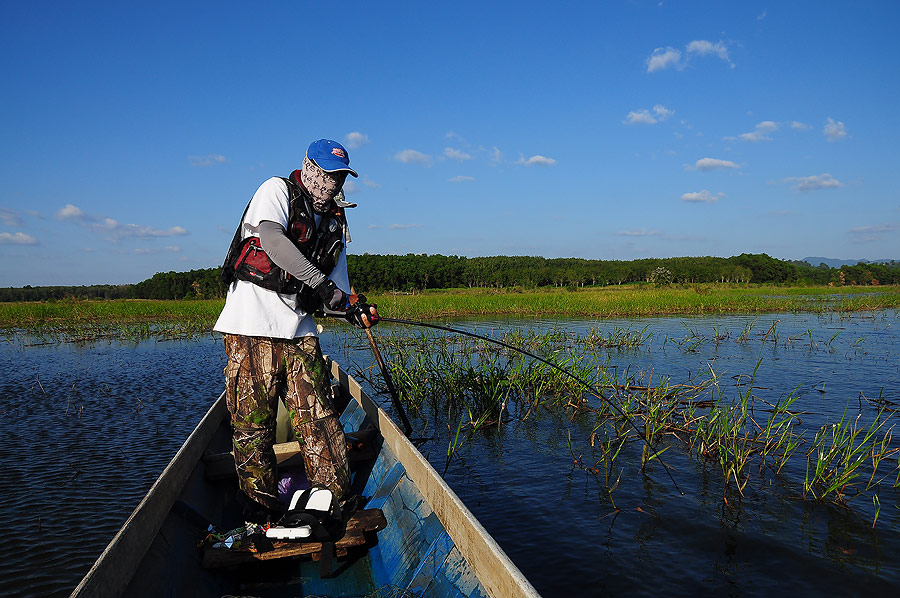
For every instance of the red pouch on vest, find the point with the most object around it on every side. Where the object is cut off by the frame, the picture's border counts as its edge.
(254, 256)
(255, 266)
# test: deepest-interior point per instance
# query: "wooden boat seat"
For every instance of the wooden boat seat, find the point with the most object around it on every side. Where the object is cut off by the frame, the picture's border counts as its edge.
(220, 466)
(363, 521)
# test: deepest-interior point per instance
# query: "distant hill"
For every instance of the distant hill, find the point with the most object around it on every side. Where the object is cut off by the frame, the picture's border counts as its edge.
(836, 263)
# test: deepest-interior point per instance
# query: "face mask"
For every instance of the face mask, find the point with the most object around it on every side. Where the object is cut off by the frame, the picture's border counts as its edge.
(322, 186)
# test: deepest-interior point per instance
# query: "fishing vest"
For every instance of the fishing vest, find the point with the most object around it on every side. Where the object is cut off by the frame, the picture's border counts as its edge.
(321, 245)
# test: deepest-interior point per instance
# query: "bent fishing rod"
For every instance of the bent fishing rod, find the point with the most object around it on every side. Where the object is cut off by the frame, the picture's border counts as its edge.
(555, 366)
(385, 373)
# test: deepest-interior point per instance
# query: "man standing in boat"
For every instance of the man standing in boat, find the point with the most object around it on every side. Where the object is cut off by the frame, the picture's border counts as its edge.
(288, 259)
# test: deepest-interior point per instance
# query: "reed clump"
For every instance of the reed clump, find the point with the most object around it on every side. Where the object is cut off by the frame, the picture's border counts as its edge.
(723, 422)
(838, 452)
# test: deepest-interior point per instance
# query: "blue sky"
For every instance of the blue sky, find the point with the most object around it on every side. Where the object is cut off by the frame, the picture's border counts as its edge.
(134, 133)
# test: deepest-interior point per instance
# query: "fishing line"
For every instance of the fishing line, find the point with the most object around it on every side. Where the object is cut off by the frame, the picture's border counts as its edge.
(557, 367)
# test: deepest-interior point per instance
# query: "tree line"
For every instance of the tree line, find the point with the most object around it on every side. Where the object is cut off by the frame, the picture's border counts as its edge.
(416, 272)
(413, 272)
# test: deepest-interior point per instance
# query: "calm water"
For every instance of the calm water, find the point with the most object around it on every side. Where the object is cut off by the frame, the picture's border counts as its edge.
(86, 430)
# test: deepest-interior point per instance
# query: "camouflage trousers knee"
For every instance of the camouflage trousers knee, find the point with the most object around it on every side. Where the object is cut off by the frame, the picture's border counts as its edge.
(260, 371)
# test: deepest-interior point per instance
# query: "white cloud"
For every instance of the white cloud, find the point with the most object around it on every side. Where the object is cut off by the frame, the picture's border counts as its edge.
(814, 183)
(370, 183)
(763, 130)
(760, 132)
(663, 58)
(702, 47)
(876, 229)
(355, 140)
(641, 232)
(208, 160)
(17, 239)
(496, 155)
(661, 112)
(350, 186)
(9, 217)
(639, 117)
(869, 234)
(455, 154)
(707, 164)
(537, 161)
(762, 16)
(702, 197)
(142, 232)
(644, 116)
(114, 229)
(410, 156)
(834, 130)
(70, 212)
(461, 179)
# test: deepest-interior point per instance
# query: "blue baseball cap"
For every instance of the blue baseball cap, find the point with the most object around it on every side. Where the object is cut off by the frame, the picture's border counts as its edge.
(330, 156)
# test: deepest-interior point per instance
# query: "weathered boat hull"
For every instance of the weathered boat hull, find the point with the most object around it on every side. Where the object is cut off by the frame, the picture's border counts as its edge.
(432, 545)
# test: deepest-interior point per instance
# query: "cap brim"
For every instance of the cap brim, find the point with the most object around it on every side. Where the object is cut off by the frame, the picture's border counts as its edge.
(336, 166)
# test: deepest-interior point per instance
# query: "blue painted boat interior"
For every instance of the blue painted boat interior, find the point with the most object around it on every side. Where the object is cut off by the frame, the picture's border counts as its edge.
(414, 551)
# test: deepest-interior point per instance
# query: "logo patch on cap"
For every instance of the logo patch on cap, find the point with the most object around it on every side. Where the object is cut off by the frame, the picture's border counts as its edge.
(338, 152)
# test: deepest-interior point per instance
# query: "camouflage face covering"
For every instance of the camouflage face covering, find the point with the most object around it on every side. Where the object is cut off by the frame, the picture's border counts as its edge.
(321, 185)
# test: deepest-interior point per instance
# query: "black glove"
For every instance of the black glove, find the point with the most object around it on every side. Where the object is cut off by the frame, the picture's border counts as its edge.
(332, 297)
(359, 309)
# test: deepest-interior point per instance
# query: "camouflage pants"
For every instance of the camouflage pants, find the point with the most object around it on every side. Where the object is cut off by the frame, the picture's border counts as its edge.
(259, 372)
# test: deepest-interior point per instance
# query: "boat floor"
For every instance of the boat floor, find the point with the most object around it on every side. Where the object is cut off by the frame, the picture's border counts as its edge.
(209, 499)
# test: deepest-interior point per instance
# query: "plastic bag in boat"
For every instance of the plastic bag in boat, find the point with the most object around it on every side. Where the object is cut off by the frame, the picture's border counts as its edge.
(291, 481)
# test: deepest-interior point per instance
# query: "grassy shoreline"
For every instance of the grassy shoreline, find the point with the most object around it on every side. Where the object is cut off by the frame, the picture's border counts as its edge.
(601, 302)
(636, 300)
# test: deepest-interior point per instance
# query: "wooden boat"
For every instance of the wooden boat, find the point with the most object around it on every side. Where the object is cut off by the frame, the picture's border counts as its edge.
(430, 544)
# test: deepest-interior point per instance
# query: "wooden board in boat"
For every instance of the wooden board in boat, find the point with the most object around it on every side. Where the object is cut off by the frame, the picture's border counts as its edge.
(366, 520)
